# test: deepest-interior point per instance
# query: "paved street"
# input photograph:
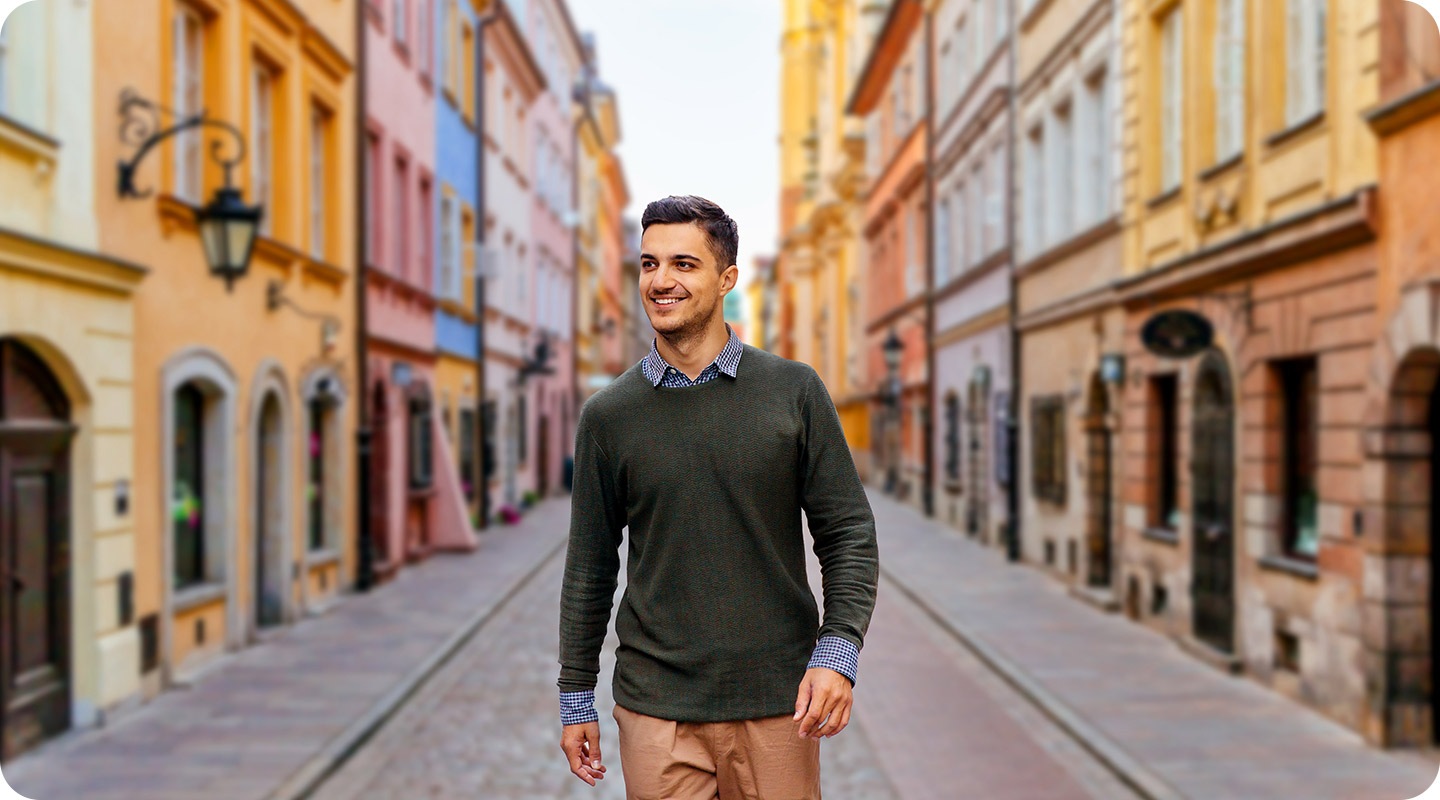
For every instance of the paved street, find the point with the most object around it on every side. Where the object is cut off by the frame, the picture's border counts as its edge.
(978, 680)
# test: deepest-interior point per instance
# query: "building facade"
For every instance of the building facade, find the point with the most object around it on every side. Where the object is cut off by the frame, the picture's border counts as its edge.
(970, 53)
(1401, 421)
(1251, 206)
(1069, 257)
(513, 80)
(890, 96)
(67, 396)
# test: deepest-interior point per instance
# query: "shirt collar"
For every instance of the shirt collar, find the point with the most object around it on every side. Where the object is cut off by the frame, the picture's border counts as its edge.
(728, 362)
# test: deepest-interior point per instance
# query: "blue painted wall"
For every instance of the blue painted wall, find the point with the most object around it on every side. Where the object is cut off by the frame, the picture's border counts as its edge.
(457, 149)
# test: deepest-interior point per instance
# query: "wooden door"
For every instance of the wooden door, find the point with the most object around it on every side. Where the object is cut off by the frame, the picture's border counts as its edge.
(1213, 480)
(35, 435)
(1097, 487)
(542, 447)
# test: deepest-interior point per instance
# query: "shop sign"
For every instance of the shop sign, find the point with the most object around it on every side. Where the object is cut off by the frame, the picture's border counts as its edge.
(1177, 334)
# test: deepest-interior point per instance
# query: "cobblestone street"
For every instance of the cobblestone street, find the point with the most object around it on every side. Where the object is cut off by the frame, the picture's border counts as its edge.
(979, 679)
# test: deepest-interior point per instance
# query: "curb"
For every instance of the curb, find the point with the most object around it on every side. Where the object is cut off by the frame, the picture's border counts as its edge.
(1139, 778)
(321, 766)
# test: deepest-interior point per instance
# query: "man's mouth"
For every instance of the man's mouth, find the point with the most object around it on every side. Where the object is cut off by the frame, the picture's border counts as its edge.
(666, 301)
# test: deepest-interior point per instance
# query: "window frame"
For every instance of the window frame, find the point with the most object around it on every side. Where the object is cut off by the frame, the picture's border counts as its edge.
(264, 80)
(1229, 71)
(187, 98)
(1165, 422)
(321, 127)
(1299, 393)
(1306, 46)
(1172, 98)
(1047, 448)
(189, 396)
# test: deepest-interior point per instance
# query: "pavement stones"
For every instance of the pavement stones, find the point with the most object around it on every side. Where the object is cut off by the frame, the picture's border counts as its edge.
(283, 710)
(1186, 728)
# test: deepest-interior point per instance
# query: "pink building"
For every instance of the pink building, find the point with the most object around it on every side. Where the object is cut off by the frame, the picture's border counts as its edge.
(554, 215)
(416, 504)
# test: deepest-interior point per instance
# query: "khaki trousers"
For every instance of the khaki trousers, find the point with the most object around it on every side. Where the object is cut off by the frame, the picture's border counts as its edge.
(758, 759)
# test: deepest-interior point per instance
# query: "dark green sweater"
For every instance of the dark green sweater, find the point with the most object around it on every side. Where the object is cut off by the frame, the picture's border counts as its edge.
(717, 621)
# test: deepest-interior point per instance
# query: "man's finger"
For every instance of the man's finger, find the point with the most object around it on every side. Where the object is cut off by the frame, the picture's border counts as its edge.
(592, 758)
(827, 713)
(815, 713)
(572, 751)
(802, 698)
(839, 718)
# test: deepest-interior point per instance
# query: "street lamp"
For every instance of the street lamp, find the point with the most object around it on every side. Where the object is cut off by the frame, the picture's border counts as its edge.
(227, 225)
(893, 349)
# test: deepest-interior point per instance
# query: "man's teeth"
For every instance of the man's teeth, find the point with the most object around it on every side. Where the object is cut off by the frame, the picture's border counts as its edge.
(667, 301)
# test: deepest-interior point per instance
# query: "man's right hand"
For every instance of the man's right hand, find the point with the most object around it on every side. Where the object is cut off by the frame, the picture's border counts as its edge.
(581, 744)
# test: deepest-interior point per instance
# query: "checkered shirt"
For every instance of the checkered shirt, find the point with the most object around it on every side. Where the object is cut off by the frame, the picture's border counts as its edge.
(831, 652)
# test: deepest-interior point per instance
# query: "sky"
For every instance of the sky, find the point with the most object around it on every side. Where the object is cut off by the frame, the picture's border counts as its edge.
(698, 87)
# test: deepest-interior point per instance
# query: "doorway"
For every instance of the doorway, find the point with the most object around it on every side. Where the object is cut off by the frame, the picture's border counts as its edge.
(1213, 477)
(1098, 536)
(35, 435)
(270, 516)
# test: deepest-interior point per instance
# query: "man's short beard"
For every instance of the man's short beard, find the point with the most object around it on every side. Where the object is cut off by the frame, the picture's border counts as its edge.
(692, 331)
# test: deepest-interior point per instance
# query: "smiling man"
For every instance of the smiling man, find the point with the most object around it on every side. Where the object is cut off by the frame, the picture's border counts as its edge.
(709, 450)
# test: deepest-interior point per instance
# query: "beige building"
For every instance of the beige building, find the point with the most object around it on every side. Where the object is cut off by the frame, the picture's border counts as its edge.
(1071, 328)
(67, 395)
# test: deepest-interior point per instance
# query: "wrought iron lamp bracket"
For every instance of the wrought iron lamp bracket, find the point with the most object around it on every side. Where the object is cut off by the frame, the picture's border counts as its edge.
(140, 126)
(275, 298)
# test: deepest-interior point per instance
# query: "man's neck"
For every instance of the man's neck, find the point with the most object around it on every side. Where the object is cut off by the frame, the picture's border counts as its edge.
(692, 355)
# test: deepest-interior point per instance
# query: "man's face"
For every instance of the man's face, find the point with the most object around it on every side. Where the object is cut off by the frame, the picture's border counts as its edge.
(682, 287)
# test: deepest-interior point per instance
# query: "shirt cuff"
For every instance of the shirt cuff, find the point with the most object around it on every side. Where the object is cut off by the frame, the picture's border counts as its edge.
(841, 655)
(578, 707)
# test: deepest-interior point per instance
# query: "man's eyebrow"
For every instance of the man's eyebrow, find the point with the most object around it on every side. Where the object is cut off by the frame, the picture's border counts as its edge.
(676, 257)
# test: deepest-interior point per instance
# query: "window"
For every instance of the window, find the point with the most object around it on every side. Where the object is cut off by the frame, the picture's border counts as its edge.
(187, 512)
(401, 191)
(977, 214)
(978, 25)
(1304, 60)
(319, 191)
(1300, 393)
(1171, 100)
(914, 258)
(372, 198)
(424, 29)
(1229, 78)
(1047, 447)
(315, 492)
(952, 437)
(1059, 223)
(447, 243)
(1002, 20)
(957, 226)
(448, 41)
(466, 82)
(468, 478)
(942, 243)
(262, 146)
(995, 184)
(427, 234)
(421, 446)
(1034, 224)
(399, 22)
(187, 76)
(1093, 156)
(1164, 394)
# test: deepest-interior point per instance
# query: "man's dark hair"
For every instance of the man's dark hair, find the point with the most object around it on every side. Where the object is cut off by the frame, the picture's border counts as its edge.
(721, 233)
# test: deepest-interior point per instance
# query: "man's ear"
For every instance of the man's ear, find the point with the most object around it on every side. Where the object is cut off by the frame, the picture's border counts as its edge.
(729, 279)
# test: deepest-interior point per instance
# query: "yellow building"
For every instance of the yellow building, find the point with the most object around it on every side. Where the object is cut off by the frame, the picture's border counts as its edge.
(67, 413)
(244, 398)
(822, 170)
(1249, 204)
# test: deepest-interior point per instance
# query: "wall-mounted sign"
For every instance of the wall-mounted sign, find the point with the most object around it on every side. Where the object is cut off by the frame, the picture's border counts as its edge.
(1177, 334)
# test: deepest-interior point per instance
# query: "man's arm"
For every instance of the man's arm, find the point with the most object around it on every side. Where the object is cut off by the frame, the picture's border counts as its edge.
(842, 528)
(592, 563)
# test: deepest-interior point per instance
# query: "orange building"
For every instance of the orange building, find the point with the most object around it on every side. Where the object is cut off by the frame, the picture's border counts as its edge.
(890, 95)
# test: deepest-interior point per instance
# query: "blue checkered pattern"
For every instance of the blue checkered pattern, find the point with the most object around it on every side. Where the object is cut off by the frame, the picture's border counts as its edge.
(578, 707)
(831, 652)
(663, 376)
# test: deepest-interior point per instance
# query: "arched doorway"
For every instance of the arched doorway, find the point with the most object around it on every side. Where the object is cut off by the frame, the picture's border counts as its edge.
(1213, 503)
(270, 515)
(1098, 452)
(35, 434)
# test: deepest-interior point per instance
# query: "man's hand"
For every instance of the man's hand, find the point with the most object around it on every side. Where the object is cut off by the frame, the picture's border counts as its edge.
(823, 704)
(581, 744)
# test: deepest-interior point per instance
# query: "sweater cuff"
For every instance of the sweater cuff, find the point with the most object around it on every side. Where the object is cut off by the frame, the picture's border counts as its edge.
(577, 708)
(841, 655)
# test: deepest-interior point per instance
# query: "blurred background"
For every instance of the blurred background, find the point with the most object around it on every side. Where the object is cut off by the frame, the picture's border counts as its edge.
(1130, 310)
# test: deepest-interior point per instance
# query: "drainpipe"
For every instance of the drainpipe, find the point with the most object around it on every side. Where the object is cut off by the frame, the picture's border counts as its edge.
(482, 481)
(1012, 421)
(365, 553)
(927, 491)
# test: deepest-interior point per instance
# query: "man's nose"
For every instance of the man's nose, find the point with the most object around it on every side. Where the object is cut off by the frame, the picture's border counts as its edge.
(664, 279)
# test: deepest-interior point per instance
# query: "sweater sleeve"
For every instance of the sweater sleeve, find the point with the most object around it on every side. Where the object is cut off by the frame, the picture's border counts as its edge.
(592, 560)
(842, 526)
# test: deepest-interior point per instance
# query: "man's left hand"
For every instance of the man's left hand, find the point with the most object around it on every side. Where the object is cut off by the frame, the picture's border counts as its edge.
(823, 703)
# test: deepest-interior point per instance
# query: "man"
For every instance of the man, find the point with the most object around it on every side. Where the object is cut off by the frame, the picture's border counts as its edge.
(708, 449)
